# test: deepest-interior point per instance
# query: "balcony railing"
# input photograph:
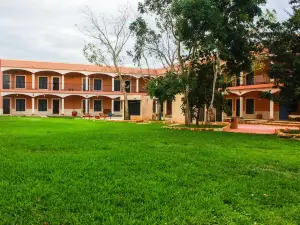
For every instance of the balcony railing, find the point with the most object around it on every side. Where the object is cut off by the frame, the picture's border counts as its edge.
(57, 87)
(256, 80)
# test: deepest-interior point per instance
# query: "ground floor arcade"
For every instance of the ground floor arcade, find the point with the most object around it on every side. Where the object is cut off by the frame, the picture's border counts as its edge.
(53, 105)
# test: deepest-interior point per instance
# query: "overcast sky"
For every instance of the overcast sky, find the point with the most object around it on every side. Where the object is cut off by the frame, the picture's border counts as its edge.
(44, 30)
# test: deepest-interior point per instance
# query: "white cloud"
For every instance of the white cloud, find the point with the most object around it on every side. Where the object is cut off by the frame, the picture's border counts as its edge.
(45, 30)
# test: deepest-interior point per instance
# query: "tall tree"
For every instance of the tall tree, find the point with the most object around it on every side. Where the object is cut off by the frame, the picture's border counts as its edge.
(109, 34)
(282, 39)
(221, 31)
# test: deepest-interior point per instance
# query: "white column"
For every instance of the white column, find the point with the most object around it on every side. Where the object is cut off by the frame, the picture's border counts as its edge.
(86, 83)
(32, 107)
(113, 84)
(271, 110)
(241, 79)
(63, 106)
(205, 111)
(137, 85)
(112, 106)
(86, 105)
(241, 106)
(33, 81)
(63, 82)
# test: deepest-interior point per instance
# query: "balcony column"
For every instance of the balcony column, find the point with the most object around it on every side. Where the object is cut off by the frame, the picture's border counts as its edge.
(113, 84)
(137, 85)
(32, 106)
(112, 106)
(1, 105)
(33, 80)
(87, 105)
(86, 83)
(241, 106)
(241, 79)
(271, 110)
(63, 106)
(63, 82)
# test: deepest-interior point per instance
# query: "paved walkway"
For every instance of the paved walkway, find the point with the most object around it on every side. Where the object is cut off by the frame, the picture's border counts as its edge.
(258, 129)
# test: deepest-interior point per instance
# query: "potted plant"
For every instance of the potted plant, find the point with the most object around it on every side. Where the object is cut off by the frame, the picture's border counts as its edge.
(74, 113)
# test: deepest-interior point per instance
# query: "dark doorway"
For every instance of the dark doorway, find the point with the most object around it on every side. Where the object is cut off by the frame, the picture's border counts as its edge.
(237, 107)
(219, 116)
(134, 108)
(55, 83)
(169, 107)
(229, 101)
(55, 106)
(6, 106)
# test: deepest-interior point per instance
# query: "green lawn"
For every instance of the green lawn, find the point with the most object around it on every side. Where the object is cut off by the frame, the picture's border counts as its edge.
(62, 171)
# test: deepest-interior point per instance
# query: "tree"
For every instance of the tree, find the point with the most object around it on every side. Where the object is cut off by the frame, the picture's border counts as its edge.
(110, 34)
(220, 31)
(164, 42)
(282, 39)
(164, 88)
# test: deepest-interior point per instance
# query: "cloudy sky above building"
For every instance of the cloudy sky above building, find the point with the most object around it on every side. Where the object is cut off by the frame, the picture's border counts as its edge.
(45, 30)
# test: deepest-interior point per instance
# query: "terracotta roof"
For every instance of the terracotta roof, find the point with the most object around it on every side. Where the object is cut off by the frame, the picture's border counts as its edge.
(256, 86)
(77, 67)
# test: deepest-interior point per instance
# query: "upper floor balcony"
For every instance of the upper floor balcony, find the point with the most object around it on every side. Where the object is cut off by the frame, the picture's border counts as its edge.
(45, 82)
(251, 79)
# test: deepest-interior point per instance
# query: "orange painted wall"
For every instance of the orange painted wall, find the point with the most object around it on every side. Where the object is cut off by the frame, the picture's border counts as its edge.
(73, 102)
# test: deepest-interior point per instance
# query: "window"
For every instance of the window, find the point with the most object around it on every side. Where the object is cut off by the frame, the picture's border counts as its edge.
(6, 81)
(238, 81)
(249, 106)
(97, 85)
(97, 105)
(117, 106)
(250, 79)
(43, 105)
(127, 86)
(43, 82)
(117, 85)
(20, 81)
(20, 105)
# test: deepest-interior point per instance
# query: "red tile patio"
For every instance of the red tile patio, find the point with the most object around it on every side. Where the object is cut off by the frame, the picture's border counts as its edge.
(258, 129)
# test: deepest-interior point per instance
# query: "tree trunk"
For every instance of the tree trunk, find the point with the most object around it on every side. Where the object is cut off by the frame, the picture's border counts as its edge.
(211, 106)
(159, 104)
(187, 108)
(126, 108)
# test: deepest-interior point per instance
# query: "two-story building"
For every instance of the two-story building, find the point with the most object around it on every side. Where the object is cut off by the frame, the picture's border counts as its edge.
(44, 88)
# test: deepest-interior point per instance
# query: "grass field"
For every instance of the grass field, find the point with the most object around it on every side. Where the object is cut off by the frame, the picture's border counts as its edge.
(61, 171)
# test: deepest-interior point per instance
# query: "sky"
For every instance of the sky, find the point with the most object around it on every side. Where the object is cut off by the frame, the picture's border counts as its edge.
(44, 30)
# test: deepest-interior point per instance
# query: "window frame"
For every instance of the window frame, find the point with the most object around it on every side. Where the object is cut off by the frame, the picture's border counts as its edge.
(119, 85)
(24, 81)
(9, 75)
(114, 106)
(129, 86)
(24, 104)
(101, 87)
(46, 82)
(59, 85)
(101, 106)
(38, 108)
(247, 104)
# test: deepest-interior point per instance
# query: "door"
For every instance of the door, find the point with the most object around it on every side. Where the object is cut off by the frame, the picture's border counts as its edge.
(6, 106)
(55, 106)
(55, 83)
(134, 108)
(237, 107)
